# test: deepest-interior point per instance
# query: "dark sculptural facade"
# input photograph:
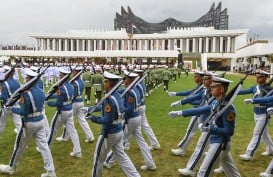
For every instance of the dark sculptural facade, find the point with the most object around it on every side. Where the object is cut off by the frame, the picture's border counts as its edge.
(215, 17)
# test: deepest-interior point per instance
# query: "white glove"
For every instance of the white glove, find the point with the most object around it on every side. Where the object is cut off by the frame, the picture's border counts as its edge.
(203, 128)
(174, 114)
(248, 101)
(84, 110)
(171, 94)
(177, 103)
(270, 111)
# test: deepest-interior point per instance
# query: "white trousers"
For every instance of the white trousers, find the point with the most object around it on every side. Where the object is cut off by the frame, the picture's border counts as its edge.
(3, 120)
(82, 121)
(64, 118)
(113, 142)
(260, 132)
(32, 130)
(216, 154)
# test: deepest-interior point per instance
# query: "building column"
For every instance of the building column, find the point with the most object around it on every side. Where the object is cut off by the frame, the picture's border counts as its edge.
(47, 44)
(152, 44)
(169, 44)
(204, 61)
(83, 45)
(89, 45)
(139, 44)
(221, 44)
(228, 44)
(77, 45)
(200, 45)
(163, 44)
(66, 45)
(54, 44)
(60, 44)
(157, 45)
(37, 44)
(71, 44)
(95, 44)
(214, 44)
(146, 44)
(122, 45)
(207, 45)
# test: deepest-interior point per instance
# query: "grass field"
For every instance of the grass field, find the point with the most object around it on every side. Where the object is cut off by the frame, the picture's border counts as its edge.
(168, 131)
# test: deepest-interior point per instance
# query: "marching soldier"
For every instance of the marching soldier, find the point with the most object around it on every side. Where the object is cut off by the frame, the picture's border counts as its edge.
(166, 76)
(64, 114)
(193, 95)
(268, 101)
(133, 119)
(221, 130)
(261, 118)
(97, 83)
(31, 103)
(87, 78)
(111, 137)
(77, 104)
(7, 87)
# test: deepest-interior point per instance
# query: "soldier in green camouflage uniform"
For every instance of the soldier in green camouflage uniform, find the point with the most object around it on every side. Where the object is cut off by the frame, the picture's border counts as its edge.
(87, 79)
(175, 72)
(166, 76)
(97, 84)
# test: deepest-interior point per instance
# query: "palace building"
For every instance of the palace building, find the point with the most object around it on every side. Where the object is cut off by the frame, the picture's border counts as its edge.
(205, 43)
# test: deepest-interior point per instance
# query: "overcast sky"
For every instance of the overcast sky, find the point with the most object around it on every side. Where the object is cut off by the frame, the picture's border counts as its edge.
(21, 17)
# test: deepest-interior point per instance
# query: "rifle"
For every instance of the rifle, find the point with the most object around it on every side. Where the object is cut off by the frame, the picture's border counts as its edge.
(222, 75)
(7, 74)
(76, 76)
(109, 93)
(16, 95)
(225, 102)
(54, 88)
(130, 86)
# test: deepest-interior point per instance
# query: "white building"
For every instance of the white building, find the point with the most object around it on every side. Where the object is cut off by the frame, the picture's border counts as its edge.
(209, 46)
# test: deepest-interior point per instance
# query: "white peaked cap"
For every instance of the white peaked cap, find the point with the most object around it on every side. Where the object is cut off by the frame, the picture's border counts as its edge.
(259, 71)
(198, 72)
(30, 73)
(34, 68)
(64, 70)
(130, 74)
(219, 81)
(138, 70)
(108, 75)
(78, 68)
(6, 68)
(209, 73)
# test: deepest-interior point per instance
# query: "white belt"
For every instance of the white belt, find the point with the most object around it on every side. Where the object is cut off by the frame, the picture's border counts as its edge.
(97, 84)
(86, 81)
(259, 106)
(118, 121)
(67, 102)
(35, 114)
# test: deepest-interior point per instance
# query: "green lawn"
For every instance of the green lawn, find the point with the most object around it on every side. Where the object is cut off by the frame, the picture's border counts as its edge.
(168, 131)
